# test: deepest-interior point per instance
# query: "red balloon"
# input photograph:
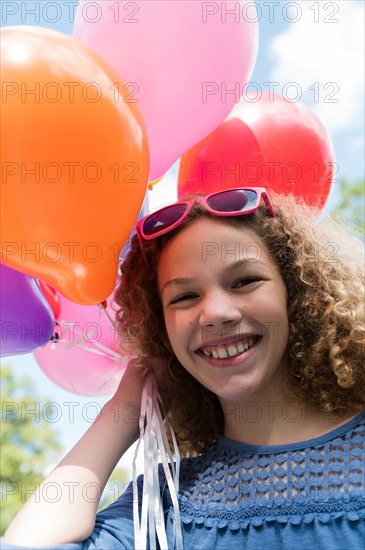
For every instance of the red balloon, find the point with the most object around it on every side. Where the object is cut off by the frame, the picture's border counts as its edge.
(52, 298)
(272, 143)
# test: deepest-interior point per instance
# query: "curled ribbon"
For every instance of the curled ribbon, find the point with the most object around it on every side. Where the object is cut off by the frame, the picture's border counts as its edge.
(153, 435)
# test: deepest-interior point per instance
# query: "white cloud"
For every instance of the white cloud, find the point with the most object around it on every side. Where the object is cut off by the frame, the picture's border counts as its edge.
(356, 144)
(330, 54)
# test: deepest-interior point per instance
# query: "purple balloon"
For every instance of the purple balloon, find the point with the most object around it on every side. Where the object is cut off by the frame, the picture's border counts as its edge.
(27, 320)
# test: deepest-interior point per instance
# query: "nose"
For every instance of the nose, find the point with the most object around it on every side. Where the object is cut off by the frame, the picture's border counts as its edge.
(218, 307)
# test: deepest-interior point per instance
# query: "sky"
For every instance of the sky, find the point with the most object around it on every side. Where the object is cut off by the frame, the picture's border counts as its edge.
(313, 47)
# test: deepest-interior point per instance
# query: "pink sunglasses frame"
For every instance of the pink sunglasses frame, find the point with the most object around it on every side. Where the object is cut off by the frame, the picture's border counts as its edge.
(260, 192)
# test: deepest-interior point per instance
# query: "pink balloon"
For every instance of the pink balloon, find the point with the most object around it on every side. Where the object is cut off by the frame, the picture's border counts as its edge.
(83, 360)
(185, 63)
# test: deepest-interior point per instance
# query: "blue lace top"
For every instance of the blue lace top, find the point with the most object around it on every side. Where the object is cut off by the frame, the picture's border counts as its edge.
(303, 495)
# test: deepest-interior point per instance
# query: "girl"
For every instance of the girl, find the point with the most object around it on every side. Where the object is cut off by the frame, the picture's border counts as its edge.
(249, 313)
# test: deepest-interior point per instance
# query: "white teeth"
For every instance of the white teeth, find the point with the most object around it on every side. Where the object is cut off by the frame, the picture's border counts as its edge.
(222, 352)
(232, 350)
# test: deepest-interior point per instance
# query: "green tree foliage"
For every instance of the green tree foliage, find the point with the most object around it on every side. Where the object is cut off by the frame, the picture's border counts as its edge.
(30, 448)
(351, 208)
(29, 444)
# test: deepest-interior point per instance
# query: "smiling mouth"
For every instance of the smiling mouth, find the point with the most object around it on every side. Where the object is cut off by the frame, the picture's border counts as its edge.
(225, 351)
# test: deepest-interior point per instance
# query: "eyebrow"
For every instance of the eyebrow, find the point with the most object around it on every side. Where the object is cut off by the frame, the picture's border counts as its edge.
(181, 281)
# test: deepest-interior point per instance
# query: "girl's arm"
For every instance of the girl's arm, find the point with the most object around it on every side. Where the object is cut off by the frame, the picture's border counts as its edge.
(79, 479)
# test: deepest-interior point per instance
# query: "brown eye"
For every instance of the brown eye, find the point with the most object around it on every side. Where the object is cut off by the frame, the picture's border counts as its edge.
(246, 281)
(183, 298)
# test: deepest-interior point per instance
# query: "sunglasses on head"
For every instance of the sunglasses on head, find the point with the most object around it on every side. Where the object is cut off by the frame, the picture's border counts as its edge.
(230, 202)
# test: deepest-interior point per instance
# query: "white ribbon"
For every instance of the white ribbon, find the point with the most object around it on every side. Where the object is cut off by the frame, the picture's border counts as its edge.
(153, 435)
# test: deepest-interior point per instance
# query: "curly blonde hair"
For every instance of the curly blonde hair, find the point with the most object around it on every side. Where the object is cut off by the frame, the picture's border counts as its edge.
(322, 267)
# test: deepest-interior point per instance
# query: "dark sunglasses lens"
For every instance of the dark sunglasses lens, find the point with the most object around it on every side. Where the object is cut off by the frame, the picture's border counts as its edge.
(236, 200)
(164, 218)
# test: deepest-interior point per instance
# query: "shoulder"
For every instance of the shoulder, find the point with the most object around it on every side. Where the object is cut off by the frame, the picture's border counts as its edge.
(233, 484)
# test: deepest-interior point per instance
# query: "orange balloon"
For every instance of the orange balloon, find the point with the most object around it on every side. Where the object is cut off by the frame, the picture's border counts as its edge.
(75, 163)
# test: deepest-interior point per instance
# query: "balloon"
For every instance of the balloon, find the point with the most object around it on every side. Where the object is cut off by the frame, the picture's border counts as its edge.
(84, 357)
(184, 62)
(75, 163)
(27, 322)
(272, 143)
(52, 298)
(229, 157)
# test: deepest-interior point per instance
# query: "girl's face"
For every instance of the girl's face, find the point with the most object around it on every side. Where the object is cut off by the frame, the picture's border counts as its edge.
(225, 308)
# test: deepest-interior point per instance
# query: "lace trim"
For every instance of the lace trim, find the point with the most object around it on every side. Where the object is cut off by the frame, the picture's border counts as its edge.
(216, 516)
(232, 487)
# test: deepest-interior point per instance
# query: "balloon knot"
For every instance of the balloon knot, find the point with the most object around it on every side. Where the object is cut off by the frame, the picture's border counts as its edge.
(55, 336)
